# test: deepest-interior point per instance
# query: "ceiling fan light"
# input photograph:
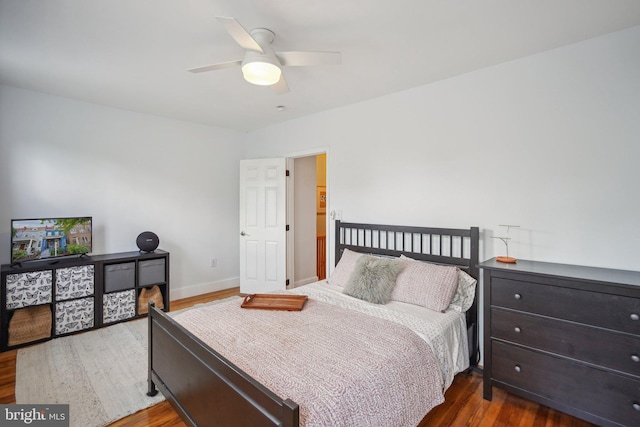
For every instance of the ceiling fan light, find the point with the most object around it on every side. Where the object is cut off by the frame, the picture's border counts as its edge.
(261, 73)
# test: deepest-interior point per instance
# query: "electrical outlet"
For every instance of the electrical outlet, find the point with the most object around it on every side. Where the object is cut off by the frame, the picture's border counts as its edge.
(214, 262)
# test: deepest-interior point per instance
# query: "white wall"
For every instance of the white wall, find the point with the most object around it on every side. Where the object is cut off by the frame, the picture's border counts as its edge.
(548, 142)
(131, 172)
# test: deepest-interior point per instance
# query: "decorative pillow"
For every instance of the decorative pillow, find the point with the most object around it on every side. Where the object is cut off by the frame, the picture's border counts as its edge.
(373, 279)
(345, 266)
(465, 290)
(428, 285)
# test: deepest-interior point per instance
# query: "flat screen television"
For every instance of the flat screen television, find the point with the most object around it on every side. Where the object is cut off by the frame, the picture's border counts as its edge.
(46, 238)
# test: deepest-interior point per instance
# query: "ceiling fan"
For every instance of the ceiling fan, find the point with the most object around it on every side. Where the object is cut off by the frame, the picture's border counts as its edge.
(261, 65)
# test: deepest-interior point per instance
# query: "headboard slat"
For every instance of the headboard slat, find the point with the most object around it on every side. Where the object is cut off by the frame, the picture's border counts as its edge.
(390, 245)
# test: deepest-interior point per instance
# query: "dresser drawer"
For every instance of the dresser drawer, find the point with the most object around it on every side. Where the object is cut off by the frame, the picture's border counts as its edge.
(589, 344)
(615, 312)
(590, 390)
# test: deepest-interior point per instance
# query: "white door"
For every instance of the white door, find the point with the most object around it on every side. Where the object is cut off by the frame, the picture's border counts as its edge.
(262, 225)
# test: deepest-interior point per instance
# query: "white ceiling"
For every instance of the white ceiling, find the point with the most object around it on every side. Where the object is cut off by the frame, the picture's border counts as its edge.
(133, 54)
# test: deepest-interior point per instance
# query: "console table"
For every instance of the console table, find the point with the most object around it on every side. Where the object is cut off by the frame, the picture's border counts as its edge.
(565, 336)
(45, 299)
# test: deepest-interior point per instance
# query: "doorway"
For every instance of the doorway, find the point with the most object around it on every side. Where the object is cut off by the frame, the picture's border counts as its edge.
(310, 201)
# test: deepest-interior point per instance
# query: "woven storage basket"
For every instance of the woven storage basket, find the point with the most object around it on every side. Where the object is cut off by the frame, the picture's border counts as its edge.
(30, 324)
(149, 294)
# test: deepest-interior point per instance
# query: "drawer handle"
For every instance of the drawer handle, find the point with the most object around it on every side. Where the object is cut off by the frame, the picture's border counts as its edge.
(518, 296)
(518, 330)
(635, 358)
(636, 406)
(634, 316)
(518, 369)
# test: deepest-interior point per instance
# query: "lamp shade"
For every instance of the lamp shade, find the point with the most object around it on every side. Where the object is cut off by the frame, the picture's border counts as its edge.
(260, 69)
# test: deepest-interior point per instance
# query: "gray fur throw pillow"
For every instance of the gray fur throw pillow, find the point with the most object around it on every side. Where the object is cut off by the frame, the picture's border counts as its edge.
(373, 279)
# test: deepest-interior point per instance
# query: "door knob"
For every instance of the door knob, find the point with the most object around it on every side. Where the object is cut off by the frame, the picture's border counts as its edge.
(242, 233)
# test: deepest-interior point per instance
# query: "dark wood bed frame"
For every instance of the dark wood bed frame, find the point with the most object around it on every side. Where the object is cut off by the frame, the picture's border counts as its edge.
(206, 389)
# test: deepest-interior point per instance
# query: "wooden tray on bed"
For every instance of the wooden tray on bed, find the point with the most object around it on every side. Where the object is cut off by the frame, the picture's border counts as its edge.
(274, 302)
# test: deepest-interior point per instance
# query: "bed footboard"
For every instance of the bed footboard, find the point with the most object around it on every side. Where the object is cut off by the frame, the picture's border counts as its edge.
(204, 387)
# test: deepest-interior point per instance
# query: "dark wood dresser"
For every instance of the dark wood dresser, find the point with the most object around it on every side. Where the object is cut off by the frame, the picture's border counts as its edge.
(565, 336)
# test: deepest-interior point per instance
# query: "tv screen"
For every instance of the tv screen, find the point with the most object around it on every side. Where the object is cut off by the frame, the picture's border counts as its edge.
(45, 238)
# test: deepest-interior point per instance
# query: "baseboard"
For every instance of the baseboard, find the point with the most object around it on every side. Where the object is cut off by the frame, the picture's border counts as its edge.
(306, 281)
(203, 288)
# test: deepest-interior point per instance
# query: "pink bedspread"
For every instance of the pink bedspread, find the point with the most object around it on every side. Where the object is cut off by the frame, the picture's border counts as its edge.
(341, 367)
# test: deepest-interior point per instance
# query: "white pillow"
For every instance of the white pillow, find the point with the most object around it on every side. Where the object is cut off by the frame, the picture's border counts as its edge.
(428, 285)
(347, 263)
(465, 290)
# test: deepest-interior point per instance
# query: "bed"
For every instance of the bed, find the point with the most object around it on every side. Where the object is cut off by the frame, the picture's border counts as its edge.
(206, 386)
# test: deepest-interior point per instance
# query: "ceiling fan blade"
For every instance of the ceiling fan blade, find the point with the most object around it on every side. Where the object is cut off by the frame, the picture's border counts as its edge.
(219, 66)
(298, 59)
(281, 87)
(239, 34)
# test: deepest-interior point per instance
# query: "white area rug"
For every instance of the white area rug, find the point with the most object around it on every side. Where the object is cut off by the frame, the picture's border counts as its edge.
(101, 374)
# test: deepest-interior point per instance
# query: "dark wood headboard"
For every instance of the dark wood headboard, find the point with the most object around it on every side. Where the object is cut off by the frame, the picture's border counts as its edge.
(447, 246)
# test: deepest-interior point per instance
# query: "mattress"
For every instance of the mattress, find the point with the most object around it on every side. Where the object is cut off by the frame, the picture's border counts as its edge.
(446, 333)
(342, 367)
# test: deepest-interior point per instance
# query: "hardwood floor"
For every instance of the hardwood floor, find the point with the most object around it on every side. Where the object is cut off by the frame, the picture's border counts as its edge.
(463, 404)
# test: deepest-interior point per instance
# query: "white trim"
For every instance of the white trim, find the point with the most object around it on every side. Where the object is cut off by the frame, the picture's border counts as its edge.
(308, 153)
(290, 220)
(329, 242)
(203, 288)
